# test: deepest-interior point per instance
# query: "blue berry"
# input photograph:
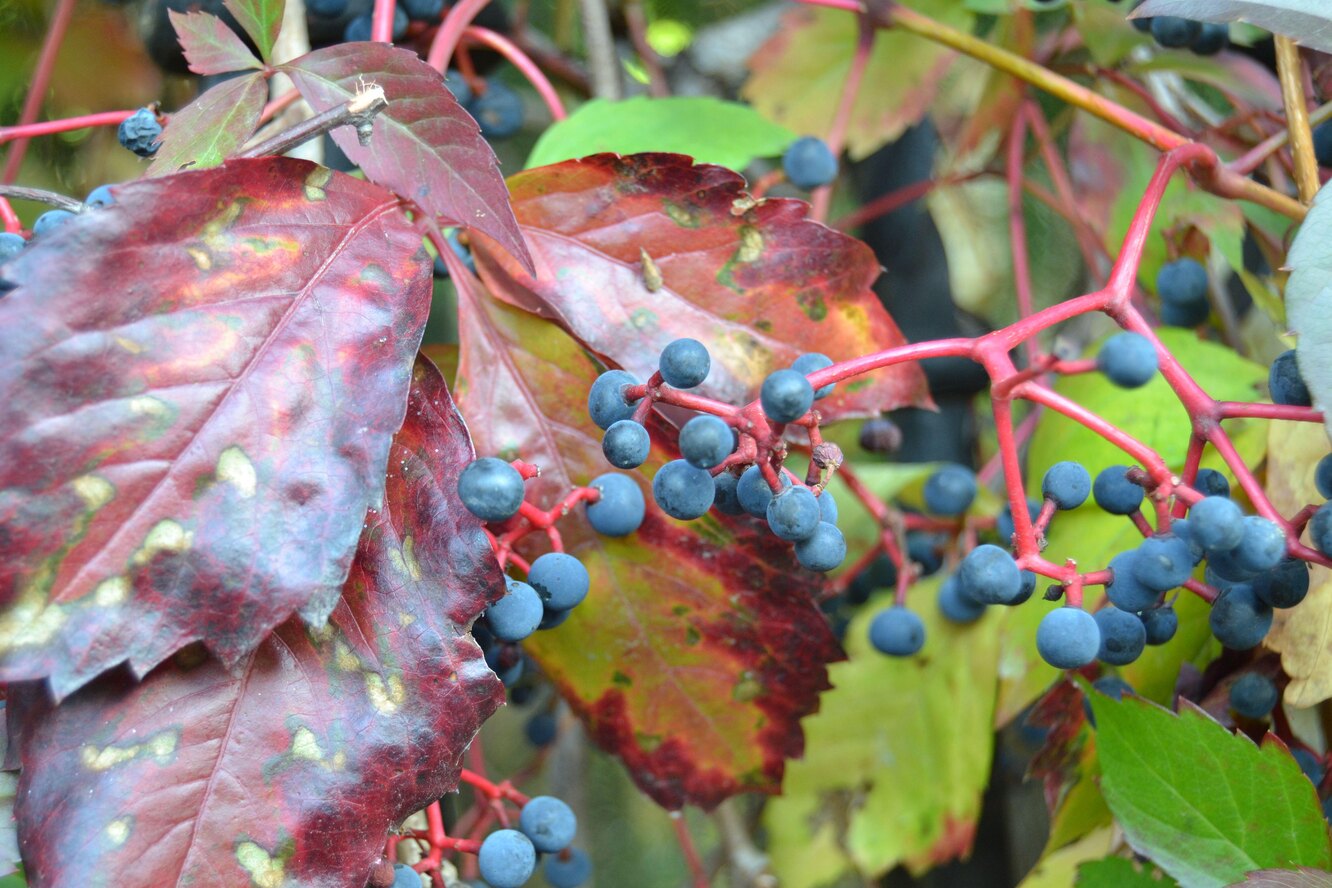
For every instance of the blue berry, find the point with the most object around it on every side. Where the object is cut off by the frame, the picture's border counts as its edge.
(507, 859)
(327, 8)
(422, 10)
(541, 729)
(491, 489)
(605, 400)
(1310, 764)
(1323, 143)
(685, 363)
(794, 514)
(1174, 32)
(455, 83)
(897, 632)
(1210, 482)
(1126, 591)
(499, 111)
(1026, 590)
(140, 132)
(1320, 529)
(682, 491)
(1285, 585)
(1127, 359)
(990, 575)
(621, 508)
(824, 550)
(809, 163)
(1163, 562)
(405, 877)
(1115, 493)
(754, 493)
(517, 614)
(1224, 569)
(1067, 484)
(1068, 638)
(827, 507)
(1111, 686)
(626, 444)
(1262, 545)
(950, 490)
(568, 869)
(880, 435)
(1322, 472)
(1141, 24)
(548, 822)
(1003, 525)
(925, 550)
(1183, 528)
(1214, 37)
(955, 605)
(1182, 285)
(1123, 636)
(560, 579)
(811, 362)
(50, 221)
(1239, 620)
(10, 245)
(1160, 623)
(99, 198)
(1216, 523)
(786, 396)
(706, 440)
(1284, 382)
(724, 496)
(1253, 695)
(359, 29)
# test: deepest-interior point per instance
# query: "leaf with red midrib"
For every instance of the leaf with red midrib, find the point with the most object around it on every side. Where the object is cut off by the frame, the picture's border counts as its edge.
(291, 770)
(209, 45)
(423, 144)
(698, 648)
(211, 128)
(198, 387)
(634, 252)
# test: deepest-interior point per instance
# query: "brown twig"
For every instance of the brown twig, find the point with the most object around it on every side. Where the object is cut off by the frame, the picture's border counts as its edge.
(1297, 117)
(358, 112)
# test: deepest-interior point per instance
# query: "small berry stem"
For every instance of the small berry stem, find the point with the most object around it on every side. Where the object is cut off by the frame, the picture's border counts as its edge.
(520, 60)
(822, 196)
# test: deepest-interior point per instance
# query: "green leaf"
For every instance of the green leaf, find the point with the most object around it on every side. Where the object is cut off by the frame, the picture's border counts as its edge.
(261, 19)
(1058, 868)
(1120, 872)
(209, 129)
(1206, 805)
(1309, 300)
(796, 77)
(209, 45)
(896, 758)
(707, 129)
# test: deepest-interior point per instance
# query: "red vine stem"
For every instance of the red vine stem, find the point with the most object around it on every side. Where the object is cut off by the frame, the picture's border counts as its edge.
(63, 125)
(520, 60)
(1017, 226)
(822, 196)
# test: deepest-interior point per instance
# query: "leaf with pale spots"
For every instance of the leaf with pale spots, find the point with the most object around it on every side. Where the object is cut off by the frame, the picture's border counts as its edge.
(699, 648)
(291, 769)
(199, 385)
(634, 252)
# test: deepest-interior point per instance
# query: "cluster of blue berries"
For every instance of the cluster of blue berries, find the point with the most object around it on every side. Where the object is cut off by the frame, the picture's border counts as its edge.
(546, 827)
(498, 109)
(12, 244)
(1175, 32)
(688, 487)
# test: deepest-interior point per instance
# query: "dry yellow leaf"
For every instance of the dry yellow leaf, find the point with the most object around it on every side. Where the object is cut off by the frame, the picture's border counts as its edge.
(1302, 634)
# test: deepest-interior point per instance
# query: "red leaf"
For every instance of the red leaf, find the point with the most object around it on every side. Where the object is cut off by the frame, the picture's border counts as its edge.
(210, 129)
(758, 283)
(209, 45)
(698, 649)
(198, 387)
(292, 769)
(424, 146)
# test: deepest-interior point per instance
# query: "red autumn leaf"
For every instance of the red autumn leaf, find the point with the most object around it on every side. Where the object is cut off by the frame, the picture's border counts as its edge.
(198, 387)
(291, 769)
(209, 45)
(424, 145)
(698, 649)
(634, 252)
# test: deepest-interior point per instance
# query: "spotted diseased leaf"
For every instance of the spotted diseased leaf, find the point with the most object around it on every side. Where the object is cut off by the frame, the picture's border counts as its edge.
(424, 145)
(634, 252)
(212, 127)
(698, 649)
(261, 19)
(209, 45)
(290, 769)
(199, 385)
